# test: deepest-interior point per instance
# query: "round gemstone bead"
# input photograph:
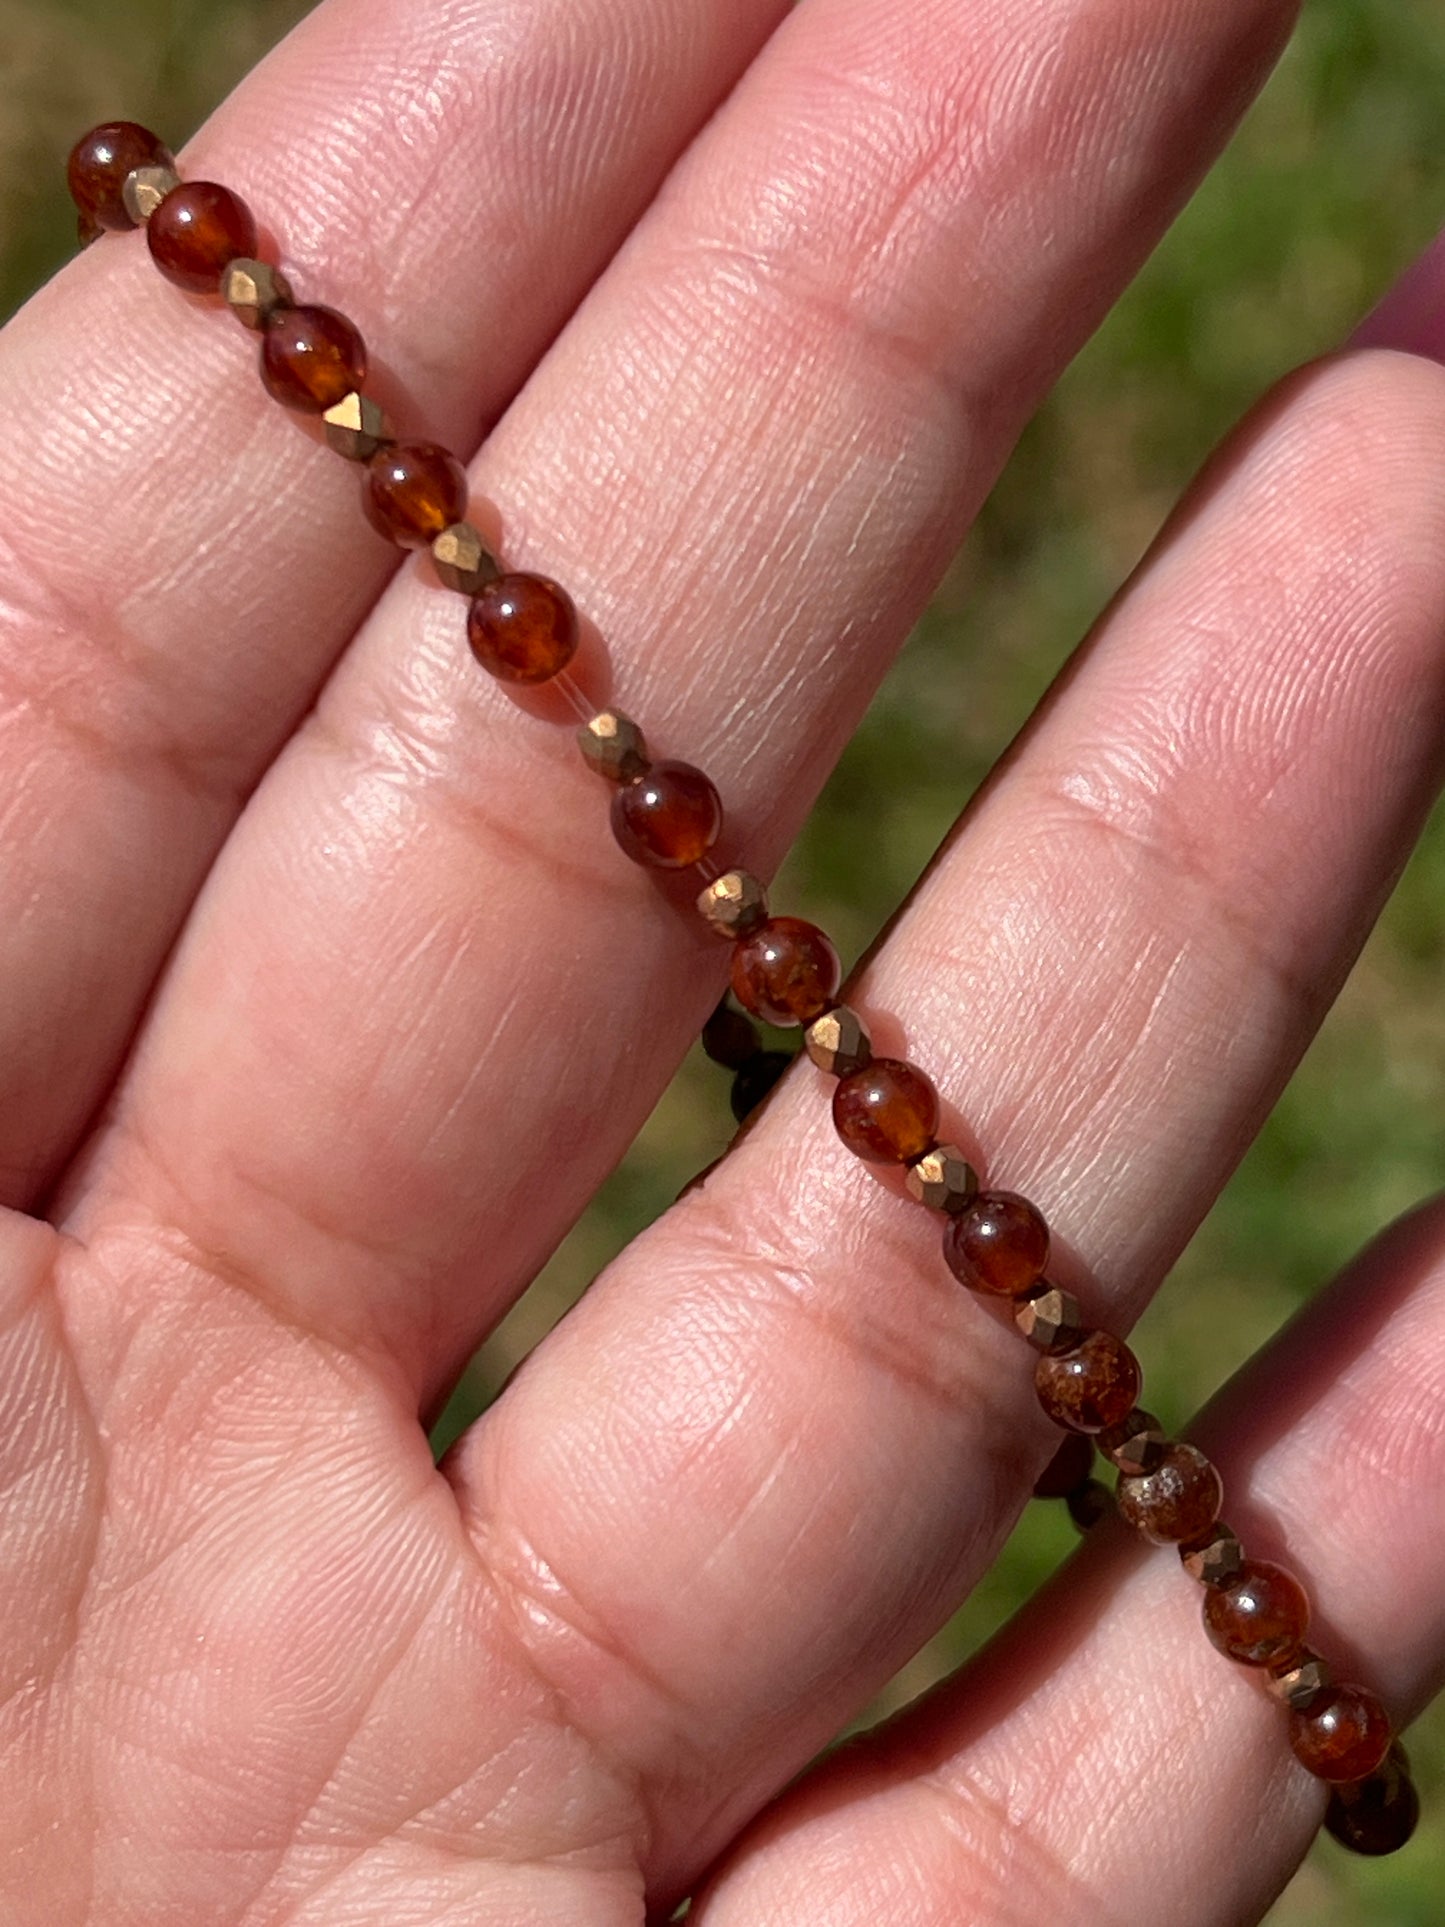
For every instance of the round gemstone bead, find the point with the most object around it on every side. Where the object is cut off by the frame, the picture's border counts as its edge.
(887, 1112)
(311, 357)
(1342, 1735)
(1375, 1815)
(99, 163)
(1067, 1470)
(523, 628)
(756, 1078)
(669, 818)
(999, 1244)
(413, 491)
(1090, 1387)
(786, 971)
(1177, 1501)
(1260, 1616)
(195, 234)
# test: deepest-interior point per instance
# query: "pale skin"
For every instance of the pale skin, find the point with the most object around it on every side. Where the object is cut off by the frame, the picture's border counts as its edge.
(299, 1094)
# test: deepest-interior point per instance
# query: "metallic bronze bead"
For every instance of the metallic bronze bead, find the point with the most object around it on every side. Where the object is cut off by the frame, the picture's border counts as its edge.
(1215, 1558)
(943, 1179)
(733, 904)
(1136, 1444)
(144, 190)
(356, 427)
(1302, 1681)
(253, 291)
(837, 1042)
(462, 559)
(613, 745)
(1050, 1319)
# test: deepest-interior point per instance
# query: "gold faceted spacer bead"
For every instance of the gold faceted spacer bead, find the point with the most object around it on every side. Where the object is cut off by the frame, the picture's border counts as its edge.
(1136, 1445)
(733, 904)
(144, 190)
(1214, 1560)
(838, 1043)
(462, 559)
(254, 291)
(356, 427)
(613, 745)
(1050, 1319)
(1300, 1684)
(943, 1179)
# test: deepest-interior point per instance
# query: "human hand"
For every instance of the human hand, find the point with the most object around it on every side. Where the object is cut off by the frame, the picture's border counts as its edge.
(264, 1663)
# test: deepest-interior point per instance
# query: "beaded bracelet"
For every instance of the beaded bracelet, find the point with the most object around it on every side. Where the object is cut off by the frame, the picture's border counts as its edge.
(667, 815)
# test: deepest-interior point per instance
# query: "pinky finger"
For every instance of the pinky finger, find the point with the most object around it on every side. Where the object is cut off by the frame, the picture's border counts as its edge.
(1100, 1761)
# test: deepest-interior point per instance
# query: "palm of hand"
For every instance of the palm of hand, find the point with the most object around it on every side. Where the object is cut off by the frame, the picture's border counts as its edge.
(265, 1663)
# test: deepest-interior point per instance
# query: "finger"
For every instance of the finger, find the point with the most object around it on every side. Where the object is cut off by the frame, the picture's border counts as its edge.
(985, 1802)
(750, 456)
(766, 1456)
(181, 565)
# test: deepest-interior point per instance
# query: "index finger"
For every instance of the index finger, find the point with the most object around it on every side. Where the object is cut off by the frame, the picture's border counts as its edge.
(181, 566)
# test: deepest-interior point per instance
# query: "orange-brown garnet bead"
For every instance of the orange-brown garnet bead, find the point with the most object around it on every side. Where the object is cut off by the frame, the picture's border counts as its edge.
(887, 1112)
(413, 491)
(1176, 1501)
(1377, 1814)
(999, 1244)
(311, 357)
(669, 818)
(99, 163)
(195, 234)
(786, 971)
(1260, 1617)
(1090, 1387)
(1343, 1735)
(523, 628)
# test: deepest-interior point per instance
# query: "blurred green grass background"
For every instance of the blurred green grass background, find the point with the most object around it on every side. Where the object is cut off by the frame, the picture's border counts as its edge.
(1336, 179)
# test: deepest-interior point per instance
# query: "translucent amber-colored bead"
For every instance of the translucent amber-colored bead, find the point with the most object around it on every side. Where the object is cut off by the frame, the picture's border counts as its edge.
(786, 971)
(755, 1080)
(311, 357)
(99, 163)
(413, 491)
(1067, 1469)
(887, 1112)
(197, 232)
(669, 818)
(1090, 1387)
(522, 628)
(1260, 1616)
(1000, 1244)
(1175, 1502)
(1378, 1814)
(1343, 1735)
